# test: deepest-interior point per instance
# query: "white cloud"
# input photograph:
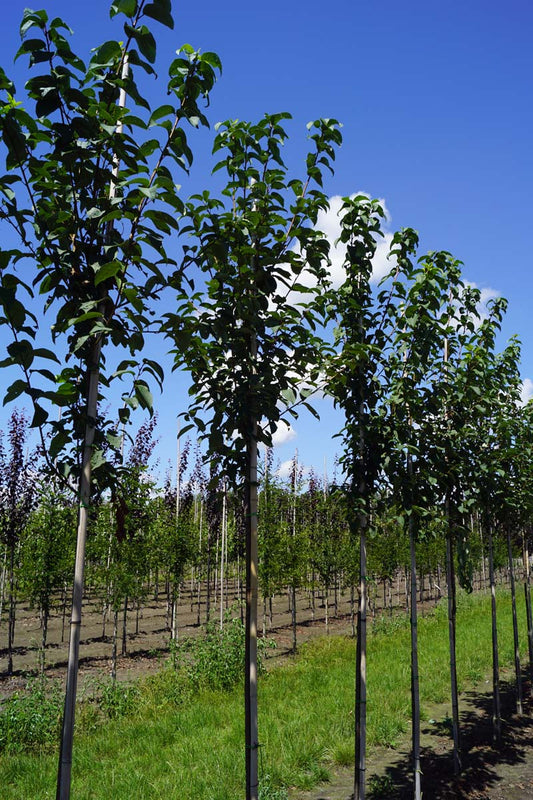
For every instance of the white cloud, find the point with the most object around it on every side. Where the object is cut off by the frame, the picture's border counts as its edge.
(526, 393)
(283, 434)
(285, 468)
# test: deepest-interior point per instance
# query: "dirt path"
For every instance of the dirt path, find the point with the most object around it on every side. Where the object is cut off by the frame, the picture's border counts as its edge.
(488, 774)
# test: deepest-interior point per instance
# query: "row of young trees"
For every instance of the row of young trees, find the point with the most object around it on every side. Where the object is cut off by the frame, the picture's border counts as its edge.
(90, 194)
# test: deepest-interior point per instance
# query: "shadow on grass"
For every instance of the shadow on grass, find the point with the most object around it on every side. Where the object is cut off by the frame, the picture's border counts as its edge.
(482, 763)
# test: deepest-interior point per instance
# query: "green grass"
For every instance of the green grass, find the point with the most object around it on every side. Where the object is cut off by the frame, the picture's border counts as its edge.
(181, 744)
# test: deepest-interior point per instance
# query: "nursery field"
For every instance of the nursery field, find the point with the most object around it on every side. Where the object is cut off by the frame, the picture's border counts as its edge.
(144, 632)
(174, 735)
(243, 627)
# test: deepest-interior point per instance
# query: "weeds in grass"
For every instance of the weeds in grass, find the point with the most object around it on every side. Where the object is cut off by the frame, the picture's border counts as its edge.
(31, 719)
(116, 699)
(269, 792)
(380, 786)
(216, 659)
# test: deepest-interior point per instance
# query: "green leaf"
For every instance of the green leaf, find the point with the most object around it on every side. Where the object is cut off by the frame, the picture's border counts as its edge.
(106, 55)
(21, 352)
(114, 440)
(145, 40)
(144, 396)
(42, 352)
(15, 390)
(126, 7)
(107, 271)
(98, 459)
(161, 11)
(39, 416)
(32, 19)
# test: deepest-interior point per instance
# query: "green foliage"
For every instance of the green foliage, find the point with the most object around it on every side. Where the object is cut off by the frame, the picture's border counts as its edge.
(380, 786)
(216, 659)
(84, 150)
(31, 719)
(248, 340)
(116, 699)
(267, 791)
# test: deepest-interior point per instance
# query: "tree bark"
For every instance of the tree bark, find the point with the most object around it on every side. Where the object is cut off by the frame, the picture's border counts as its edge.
(496, 711)
(67, 735)
(527, 592)
(124, 627)
(12, 609)
(452, 610)
(250, 688)
(360, 672)
(415, 684)
(518, 670)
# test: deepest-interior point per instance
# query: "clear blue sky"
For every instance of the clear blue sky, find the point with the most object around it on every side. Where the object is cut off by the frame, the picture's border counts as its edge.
(436, 103)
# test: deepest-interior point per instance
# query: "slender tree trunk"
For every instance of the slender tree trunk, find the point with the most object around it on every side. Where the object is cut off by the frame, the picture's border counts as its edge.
(415, 683)
(496, 707)
(452, 610)
(222, 554)
(12, 609)
(527, 592)
(65, 760)
(518, 670)
(114, 646)
(352, 610)
(483, 571)
(44, 637)
(124, 626)
(208, 588)
(250, 688)
(360, 670)
(313, 592)
(293, 617)
(63, 611)
(415, 686)
(175, 595)
(3, 583)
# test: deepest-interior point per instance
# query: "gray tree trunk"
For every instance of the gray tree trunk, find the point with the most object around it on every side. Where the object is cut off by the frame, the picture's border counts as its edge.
(496, 711)
(250, 688)
(415, 683)
(518, 670)
(450, 579)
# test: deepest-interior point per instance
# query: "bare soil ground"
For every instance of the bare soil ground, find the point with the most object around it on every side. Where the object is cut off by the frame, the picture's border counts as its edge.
(147, 638)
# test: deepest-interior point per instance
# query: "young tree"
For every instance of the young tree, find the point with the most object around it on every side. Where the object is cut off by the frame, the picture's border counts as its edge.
(355, 381)
(249, 341)
(46, 553)
(18, 496)
(87, 152)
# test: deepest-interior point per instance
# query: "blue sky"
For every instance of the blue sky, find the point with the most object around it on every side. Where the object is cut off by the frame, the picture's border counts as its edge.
(435, 100)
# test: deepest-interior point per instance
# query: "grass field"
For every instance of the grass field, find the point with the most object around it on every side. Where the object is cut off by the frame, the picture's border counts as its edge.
(180, 741)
